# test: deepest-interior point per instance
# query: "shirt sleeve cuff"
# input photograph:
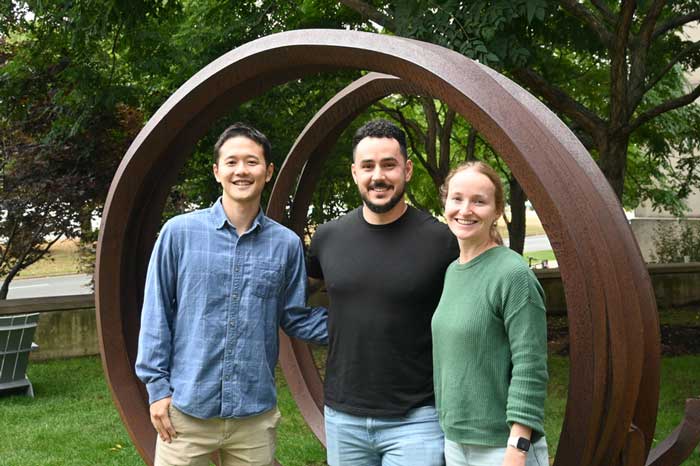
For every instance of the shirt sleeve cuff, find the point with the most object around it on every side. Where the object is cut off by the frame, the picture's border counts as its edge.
(157, 390)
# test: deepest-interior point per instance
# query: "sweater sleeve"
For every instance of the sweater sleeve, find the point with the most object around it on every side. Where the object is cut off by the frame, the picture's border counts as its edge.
(526, 328)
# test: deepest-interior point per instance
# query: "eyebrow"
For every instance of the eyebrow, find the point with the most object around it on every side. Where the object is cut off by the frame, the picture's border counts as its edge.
(385, 159)
(235, 156)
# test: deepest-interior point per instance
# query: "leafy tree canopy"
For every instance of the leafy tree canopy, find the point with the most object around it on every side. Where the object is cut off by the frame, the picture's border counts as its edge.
(613, 70)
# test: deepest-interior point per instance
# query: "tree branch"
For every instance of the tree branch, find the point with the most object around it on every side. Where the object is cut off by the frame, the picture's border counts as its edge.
(433, 121)
(675, 22)
(619, 79)
(409, 134)
(369, 12)
(41, 252)
(414, 201)
(115, 42)
(398, 115)
(561, 102)
(471, 145)
(6, 252)
(638, 54)
(445, 141)
(647, 29)
(665, 107)
(669, 66)
(605, 11)
(579, 11)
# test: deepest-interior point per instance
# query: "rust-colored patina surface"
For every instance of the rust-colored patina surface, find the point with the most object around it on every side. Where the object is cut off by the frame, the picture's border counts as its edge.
(614, 331)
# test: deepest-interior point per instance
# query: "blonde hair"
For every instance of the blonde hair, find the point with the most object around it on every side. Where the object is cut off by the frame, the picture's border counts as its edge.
(490, 173)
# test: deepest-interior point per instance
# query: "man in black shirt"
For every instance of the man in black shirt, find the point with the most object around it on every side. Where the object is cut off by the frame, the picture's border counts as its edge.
(383, 265)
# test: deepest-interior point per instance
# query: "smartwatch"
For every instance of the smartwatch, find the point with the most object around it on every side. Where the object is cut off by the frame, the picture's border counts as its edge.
(521, 443)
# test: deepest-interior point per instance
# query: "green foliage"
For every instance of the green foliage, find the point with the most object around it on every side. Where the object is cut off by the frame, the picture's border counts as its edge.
(79, 79)
(208, 29)
(662, 158)
(485, 30)
(68, 110)
(675, 241)
(573, 69)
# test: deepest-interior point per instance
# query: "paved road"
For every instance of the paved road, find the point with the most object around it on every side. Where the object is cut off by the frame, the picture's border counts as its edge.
(80, 284)
(49, 286)
(535, 243)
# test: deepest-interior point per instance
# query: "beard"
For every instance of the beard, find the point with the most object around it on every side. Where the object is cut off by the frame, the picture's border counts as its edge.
(382, 208)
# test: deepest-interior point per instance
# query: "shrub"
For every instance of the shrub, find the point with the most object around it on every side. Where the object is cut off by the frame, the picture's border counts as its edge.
(675, 241)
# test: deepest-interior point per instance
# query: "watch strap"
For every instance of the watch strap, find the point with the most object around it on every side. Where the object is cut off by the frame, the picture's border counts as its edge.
(521, 443)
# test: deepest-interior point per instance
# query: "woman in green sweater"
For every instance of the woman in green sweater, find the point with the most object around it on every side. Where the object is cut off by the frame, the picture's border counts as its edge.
(489, 335)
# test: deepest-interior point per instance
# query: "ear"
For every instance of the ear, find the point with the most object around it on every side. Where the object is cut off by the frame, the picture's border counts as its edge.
(270, 171)
(354, 175)
(215, 168)
(409, 170)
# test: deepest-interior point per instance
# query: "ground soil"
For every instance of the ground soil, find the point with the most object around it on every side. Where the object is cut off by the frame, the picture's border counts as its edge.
(676, 340)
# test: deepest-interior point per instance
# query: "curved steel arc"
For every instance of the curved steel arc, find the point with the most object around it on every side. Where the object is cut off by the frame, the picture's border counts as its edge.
(601, 269)
(312, 147)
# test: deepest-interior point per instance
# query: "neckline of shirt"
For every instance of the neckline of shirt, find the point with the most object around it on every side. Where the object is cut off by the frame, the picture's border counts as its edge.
(384, 226)
(477, 260)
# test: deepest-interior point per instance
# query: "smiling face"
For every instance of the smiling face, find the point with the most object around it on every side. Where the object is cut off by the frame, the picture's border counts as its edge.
(241, 170)
(381, 173)
(470, 207)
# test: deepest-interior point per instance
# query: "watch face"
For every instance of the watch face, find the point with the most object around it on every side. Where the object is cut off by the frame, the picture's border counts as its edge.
(523, 444)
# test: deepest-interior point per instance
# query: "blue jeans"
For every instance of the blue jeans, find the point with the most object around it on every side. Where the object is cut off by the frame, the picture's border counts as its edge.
(413, 440)
(459, 454)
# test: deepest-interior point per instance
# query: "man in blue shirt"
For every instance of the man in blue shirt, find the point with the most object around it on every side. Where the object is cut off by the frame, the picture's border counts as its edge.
(220, 282)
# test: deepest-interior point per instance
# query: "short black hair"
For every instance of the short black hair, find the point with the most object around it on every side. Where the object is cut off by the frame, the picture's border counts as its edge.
(380, 128)
(245, 130)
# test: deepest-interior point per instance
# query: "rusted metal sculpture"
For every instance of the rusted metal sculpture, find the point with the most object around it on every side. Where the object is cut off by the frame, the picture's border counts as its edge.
(614, 331)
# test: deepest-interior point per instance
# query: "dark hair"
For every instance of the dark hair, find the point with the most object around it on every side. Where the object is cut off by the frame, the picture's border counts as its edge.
(380, 128)
(486, 170)
(242, 129)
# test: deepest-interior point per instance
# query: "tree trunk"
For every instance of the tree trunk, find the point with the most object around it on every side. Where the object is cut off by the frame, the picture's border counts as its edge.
(613, 161)
(6, 283)
(85, 220)
(516, 226)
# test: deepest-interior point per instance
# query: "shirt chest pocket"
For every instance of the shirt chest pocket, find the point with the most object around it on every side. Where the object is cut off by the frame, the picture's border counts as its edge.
(266, 281)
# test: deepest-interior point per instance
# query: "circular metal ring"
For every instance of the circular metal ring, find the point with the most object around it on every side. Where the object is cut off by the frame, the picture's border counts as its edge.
(614, 376)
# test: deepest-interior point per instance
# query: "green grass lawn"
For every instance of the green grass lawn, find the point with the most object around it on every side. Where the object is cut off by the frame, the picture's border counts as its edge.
(72, 420)
(540, 255)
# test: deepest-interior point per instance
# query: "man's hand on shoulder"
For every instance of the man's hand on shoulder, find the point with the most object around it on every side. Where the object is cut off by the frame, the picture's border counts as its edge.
(160, 418)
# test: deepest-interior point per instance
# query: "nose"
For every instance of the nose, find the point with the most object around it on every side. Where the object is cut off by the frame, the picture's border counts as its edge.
(377, 173)
(465, 208)
(240, 168)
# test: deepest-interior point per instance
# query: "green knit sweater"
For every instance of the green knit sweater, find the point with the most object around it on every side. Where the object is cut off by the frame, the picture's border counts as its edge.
(490, 349)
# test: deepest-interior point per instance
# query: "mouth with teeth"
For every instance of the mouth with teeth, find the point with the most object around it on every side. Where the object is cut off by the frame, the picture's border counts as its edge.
(466, 222)
(379, 187)
(243, 183)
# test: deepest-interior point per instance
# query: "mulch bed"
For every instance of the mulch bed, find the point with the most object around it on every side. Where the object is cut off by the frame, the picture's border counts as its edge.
(675, 340)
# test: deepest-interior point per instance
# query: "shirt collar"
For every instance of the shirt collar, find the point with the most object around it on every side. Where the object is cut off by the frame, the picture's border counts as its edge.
(220, 219)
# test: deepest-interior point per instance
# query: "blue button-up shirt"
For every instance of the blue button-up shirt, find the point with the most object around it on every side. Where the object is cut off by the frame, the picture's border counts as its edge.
(213, 304)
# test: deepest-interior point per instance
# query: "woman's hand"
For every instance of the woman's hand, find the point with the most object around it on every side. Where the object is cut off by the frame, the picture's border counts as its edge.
(514, 457)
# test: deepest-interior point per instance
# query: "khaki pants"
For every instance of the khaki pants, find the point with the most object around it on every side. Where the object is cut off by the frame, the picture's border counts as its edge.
(240, 442)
